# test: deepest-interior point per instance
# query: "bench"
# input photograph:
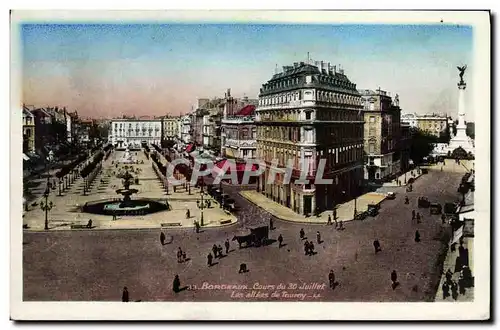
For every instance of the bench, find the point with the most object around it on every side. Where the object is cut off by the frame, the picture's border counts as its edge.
(79, 226)
(171, 224)
(223, 222)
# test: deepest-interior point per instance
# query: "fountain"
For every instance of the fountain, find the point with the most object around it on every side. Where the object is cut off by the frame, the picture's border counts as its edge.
(127, 206)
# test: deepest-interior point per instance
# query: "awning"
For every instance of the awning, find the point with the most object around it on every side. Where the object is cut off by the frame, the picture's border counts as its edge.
(25, 157)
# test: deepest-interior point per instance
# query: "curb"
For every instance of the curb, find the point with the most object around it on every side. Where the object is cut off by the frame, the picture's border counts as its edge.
(138, 228)
(287, 220)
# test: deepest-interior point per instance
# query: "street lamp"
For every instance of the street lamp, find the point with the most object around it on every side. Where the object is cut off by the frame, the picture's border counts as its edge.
(47, 206)
(202, 207)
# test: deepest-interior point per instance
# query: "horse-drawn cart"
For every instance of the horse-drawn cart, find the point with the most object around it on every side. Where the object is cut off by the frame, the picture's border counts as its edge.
(258, 236)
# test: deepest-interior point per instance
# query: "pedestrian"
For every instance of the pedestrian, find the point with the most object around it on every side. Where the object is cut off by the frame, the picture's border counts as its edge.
(413, 214)
(394, 279)
(331, 279)
(329, 222)
(418, 217)
(215, 249)
(448, 275)
(209, 204)
(335, 214)
(341, 225)
(162, 238)
(302, 233)
(417, 236)
(188, 214)
(336, 223)
(219, 250)
(179, 255)
(407, 201)
(311, 248)
(176, 286)
(89, 224)
(376, 245)
(306, 247)
(209, 259)
(461, 286)
(226, 244)
(454, 290)
(318, 237)
(280, 241)
(197, 226)
(271, 224)
(125, 297)
(446, 290)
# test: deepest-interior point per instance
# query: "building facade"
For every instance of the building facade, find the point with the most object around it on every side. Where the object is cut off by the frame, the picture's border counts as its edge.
(132, 133)
(307, 113)
(185, 129)
(382, 134)
(433, 124)
(170, 127)
(239, 134)
(28, 131)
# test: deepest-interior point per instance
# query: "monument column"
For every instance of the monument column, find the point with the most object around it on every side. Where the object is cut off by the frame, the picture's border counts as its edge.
(461, 105)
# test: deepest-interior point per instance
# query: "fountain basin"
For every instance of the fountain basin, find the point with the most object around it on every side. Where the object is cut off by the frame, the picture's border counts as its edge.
(115, 206)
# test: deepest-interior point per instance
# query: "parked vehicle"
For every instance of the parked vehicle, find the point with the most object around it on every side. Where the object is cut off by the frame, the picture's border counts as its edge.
(436, 208)
(361, 216)
(423, 202)
(390, 195)
(372, 209)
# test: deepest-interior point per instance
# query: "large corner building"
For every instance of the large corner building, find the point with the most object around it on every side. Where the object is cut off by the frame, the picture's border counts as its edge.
(305, 113)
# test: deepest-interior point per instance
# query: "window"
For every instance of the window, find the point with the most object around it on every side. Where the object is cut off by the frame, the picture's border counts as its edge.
(372, 119)
(371, 131)
(372, 106)
(308, 115)
(371, 147)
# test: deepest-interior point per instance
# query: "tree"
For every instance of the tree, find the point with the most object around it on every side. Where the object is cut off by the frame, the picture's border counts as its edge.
(422, 144)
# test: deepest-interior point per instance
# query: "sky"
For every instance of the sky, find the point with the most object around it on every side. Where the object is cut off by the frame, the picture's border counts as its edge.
(110, 70)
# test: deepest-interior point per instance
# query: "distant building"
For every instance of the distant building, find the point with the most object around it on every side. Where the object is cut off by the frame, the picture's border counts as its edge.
(132, 133)
(239, 134)
(382, 134)
(28, 131)
(431, 123)
(306, 113)
(170, 127)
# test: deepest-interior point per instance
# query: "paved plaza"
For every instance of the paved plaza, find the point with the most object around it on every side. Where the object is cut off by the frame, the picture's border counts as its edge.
(66, 210)
(97, 264)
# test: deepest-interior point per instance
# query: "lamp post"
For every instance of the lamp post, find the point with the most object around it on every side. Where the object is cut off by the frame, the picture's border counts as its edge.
(47, 206)
(202, 207)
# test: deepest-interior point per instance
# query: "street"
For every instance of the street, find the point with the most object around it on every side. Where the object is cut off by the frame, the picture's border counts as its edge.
(96, 265)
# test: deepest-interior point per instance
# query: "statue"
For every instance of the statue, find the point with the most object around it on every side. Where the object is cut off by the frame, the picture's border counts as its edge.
(396, 100)
(461, 74)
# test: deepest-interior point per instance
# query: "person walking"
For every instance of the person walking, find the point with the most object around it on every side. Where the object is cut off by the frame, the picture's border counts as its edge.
(226, 244)
(179, 255)
(329, 222)
(162, 238)
(280, 241)
(418, 217)
(271, 224)
(394, 279)
(417, 236)
(446, 290)
(197, 226)
(331, 279)
(209, 259)
(311, 248)
(176, 286)
(407, 201)
(188, 214)
(318, 237)
(306, 247)
(376, 245)
(219, 250)
(125, 296)
(302, 233)
(215, 250)
(413, 214)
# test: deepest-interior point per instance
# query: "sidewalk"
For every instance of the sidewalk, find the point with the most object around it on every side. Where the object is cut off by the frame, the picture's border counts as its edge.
(403, 178)
(451, 166)
(449, 263)
(345, 212)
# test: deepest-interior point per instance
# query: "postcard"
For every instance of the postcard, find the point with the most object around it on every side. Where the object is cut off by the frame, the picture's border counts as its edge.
(256, 165)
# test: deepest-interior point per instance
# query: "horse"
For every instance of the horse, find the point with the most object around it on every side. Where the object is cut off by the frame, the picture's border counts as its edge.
(243, 239)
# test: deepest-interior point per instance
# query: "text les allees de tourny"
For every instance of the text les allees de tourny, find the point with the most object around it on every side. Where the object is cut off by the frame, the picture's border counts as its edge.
(298, 291)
